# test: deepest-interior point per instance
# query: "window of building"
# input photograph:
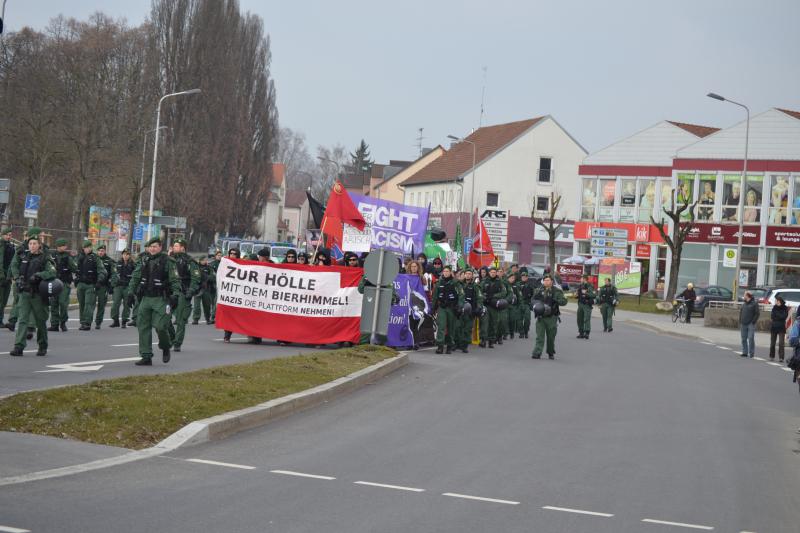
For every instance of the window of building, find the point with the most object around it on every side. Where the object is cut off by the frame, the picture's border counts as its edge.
(608, 191)
(542, 203)
(647, 199)
(695, 265)
(492, 199)
(783, 267)
(684, 193)
(427, 198)
(707, 198)
(748, 263)
(627, 200)
(731, 190)
(779, 199)
(589, 199)
(545, 170)
(665, 199)
(796, 202)
(752, 199)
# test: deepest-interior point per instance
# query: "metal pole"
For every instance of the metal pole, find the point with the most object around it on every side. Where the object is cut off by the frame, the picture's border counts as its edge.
(472, 194)
(742, 194)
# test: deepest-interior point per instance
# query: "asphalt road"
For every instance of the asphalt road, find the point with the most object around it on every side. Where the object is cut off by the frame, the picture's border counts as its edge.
(630, 432)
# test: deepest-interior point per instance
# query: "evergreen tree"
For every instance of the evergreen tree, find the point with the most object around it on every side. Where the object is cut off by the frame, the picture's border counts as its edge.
(361, 162)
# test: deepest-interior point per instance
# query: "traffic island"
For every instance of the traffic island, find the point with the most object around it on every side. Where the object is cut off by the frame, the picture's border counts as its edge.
(140, 412)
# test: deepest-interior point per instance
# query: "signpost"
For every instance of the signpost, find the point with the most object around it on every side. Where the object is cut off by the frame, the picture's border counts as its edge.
(32, 205)
(380, 269)
(496, 223)
(609, 242)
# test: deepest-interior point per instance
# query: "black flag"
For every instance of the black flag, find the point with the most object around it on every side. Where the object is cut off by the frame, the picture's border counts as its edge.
(317, 210)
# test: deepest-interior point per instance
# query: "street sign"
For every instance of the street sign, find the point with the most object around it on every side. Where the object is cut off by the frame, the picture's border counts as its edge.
(467, 245)
(32, 205)
(609, 242)
(138, 232)
(729, 257)
(496, 223)
(169, 221)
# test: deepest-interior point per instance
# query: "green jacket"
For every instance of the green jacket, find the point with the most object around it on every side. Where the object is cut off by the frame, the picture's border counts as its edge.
(524, 291)
(553, 297)
(586, 294)
(189, 271)
(111, 271)
(493, 290)
(66, 267)
(607, 295)
(442, 287)
(47, 271)
(102, 274)
(478, 293)
(174, 282)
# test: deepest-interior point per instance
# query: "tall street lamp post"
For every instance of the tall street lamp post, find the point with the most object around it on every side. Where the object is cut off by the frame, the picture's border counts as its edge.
(472, 194)
(155, 155)
(741, 190)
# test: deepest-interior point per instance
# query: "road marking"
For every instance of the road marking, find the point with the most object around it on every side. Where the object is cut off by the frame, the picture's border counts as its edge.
(85, 366)
(301, 474)
(478, 498)
(775, 364)
(706, 342)
(217, 463)
(578, 511)
(131, 344)
(396, 487)
(787, 369)
(723, 348)
(677, 524)
(9, 529)
(759, 358)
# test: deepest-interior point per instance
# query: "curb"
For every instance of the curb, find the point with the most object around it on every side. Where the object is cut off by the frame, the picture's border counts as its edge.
(228, 424)
(657, 329)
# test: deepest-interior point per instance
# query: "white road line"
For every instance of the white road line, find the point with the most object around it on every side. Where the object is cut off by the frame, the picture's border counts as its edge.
(677, 524)
(706, 342)
(787, 369)
(300, 474)
(396, 487)
(478, 498)
(217, 463)
(723, 348)
(775, 364)
(132, 344)
(9, 529)
(759, 358)
(578, 511)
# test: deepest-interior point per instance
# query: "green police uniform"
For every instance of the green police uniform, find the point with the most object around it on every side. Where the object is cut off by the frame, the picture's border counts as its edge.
(106, 288)
(525, 292)
(514, 306)
(66, 267)
(157, 284)
(91, 276)
(473, 295)
(448, 299)
(607, 298)
(189, 274)
(547, 325)
(29, 270)
(124, 274)
(505, 314)
(493, 290)
(586, 297)
(6, 256)
(205, 299)
(12, 319)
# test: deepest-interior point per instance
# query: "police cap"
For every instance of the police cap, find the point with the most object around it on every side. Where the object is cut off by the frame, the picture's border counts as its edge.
(6, 230)
(154, 240)
(61, 242)
(182, 242)
(101, 247)
(87, 243)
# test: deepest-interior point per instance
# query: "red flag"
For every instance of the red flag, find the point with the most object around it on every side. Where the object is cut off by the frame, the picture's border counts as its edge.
(481, 254)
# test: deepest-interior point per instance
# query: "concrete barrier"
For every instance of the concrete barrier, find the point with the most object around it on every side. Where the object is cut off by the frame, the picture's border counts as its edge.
(725, 317)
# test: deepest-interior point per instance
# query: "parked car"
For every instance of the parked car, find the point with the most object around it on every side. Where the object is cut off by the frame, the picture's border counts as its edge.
(790, 296)
(712, 293)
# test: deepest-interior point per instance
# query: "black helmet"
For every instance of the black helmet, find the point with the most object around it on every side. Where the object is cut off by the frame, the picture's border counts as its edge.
(50, 288)
(438, 234)
(501, 304)
(538, 308)
(467, 309)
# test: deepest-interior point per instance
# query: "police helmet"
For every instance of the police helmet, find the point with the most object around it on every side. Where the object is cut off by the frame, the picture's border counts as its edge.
(50, 288)
(538, 308)
(467, 309)
(501, 304)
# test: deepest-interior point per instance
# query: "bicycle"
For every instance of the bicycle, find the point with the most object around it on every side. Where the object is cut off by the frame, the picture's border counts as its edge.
(679, 310)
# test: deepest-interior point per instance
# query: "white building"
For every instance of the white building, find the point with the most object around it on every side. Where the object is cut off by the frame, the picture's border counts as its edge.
(271, 225)
(295, 215)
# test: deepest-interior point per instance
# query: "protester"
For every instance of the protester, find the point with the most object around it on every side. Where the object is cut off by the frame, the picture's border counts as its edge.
(777, 331)
(233, 253)
(302, 258)
(748, 317)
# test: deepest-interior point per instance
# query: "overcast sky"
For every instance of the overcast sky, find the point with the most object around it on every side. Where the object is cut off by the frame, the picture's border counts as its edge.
(350, 69)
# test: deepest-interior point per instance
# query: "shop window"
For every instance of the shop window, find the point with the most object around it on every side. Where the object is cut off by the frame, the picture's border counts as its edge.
(665, 200)
(707, 197)
(589, 199)
(683, 194)
(492, 199)
(748, 264)
(796, 202)
(731, 190)
(647, 199)
(752, 199)
(608, 190)
(627, 200)
(542, 203)
(778, 199)
(545, 170)
(783, 267)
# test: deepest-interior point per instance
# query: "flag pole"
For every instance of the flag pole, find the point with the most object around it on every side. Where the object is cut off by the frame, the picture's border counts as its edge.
(321, 234)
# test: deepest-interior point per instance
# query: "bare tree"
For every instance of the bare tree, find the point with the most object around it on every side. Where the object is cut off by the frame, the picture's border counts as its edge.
(326, 172)
(675, 241)
(551, 223)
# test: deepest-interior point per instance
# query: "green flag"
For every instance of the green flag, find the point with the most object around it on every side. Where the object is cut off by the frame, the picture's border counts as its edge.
(458, 244)
(433, 250)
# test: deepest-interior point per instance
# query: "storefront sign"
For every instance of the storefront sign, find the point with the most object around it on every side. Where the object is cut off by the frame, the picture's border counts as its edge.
(496, 223)
(564, 234)
(569, 273)
(724, 234)
(639, 232)
(783, 237)
(643, 251)
(627, 277)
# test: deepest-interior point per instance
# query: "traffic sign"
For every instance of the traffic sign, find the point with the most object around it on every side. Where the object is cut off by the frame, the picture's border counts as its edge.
(138, 232)
(467, 245)
(32, 205)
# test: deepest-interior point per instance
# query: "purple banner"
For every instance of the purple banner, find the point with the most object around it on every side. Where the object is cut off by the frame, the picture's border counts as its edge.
(409, 314)
(395, 227)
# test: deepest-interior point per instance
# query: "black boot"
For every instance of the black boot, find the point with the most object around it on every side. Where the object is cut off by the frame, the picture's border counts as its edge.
(165, 355)
(144, 361)
(511, 336)
(440, 349)
(499, 341)
(482, 344)
(551, 356)
(195, 322)
(586, 336)
(464, 349)
(610, 330)
(97, 326)
(11, 326)
(63, 326)
(114, 324)
(132, 323)
(536, 356)
(16, 351)
(491, 344)
(54, 327)
(29, 336)
(42, 351)
(124, 324)
(580, 335)
(449, 349)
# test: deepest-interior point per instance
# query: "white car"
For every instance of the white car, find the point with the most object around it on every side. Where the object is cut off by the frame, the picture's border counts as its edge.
(790, 296)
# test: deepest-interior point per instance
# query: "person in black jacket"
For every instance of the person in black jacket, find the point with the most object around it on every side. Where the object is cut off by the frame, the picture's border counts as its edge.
(689, 296)
(777, 331)
(748, 318)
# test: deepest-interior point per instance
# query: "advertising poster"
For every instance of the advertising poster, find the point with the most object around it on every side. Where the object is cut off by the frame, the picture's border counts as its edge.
(627, 277)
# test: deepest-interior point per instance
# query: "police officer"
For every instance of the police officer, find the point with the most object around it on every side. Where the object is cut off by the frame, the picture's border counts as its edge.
(447, 298)
(189, 274)
(23, 246)
(31, 267)
(474, 296)
(65, 271)
(6, 256)
(586, 295)
(607, 298)
(158, 286)
(525, 291)
(204, 300)
(124, 267)
(107, 286)
(514, 311)
(547, 300)
(494, 294)
(91, 275)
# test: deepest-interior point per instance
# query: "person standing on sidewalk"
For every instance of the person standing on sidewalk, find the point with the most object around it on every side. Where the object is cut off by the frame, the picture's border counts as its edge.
(607, 298)
(189, 274)
(586, 295)
(748, 317)
(777, 330)
(689, 296)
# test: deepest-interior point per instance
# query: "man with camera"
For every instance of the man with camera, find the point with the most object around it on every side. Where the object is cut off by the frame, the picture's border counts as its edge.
(608, 298)
(547, 300)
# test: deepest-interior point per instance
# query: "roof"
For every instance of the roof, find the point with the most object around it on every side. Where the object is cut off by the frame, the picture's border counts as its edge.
(431, 155)
(278, 172)
(694, 129)
(295, 199)
(795, 114)
(458, 160)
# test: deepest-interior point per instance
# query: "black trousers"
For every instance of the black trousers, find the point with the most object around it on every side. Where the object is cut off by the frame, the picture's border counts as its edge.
(780, 336)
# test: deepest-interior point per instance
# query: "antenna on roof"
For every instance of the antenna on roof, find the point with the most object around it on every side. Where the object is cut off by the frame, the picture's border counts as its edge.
(419, 140)
(483, 93)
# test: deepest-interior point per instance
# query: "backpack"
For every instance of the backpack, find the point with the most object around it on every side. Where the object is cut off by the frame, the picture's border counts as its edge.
(794, 333)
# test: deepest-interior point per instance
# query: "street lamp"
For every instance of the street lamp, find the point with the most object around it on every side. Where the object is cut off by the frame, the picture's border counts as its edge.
(472, 194)
(155, 155)
(741, 190)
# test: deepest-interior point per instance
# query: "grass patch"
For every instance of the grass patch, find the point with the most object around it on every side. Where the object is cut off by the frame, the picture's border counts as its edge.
(139, 411)
(647, 305)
